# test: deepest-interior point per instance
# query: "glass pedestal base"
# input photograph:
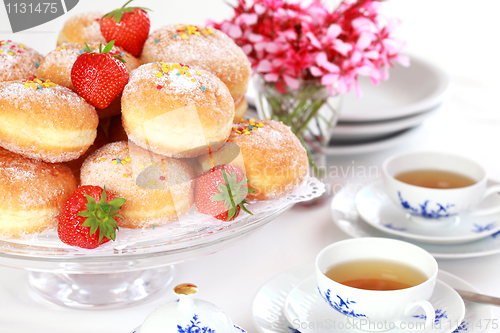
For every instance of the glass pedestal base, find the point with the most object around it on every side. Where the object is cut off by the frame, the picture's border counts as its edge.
(91, 291)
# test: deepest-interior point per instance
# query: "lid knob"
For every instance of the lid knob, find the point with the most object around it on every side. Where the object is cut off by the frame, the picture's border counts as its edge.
(185, 289)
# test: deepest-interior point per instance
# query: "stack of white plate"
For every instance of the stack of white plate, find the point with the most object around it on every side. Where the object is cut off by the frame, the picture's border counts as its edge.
(385, 114)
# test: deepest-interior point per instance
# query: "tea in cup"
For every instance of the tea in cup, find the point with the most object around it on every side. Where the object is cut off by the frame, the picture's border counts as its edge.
(433, 185)
(375, 282)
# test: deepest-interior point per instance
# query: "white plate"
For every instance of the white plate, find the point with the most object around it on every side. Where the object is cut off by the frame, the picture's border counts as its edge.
(346, 217)
(408, 91)
(378, 210)
(268, 305)
(308, 312)
(388, 142)
(359, 132)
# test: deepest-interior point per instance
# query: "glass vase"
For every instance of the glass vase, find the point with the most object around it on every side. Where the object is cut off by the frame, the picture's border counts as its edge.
(310, 111)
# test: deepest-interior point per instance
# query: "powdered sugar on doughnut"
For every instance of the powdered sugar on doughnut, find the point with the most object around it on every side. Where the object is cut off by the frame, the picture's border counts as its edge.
(215, 52)
(176, 109)
(158, 198)
(50, 123)
(36, 194)
(275, 160)
(82, 27)
(17, 61)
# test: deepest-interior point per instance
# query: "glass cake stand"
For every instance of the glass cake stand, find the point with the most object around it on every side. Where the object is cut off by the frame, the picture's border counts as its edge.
(139, 263)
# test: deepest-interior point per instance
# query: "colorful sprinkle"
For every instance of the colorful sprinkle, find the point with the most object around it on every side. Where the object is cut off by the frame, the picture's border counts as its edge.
(141, 166)
(157, 40)
(159, 87)
(162, 178)
(37, 84)
(252, 126)
(103, 159)
(203, 88)
(192, 30)
(125, 175)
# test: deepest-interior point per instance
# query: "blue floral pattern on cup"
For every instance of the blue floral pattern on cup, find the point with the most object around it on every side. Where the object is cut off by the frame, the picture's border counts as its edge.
(342, 306)
(425, 211)
(478, 228)
(194, 327)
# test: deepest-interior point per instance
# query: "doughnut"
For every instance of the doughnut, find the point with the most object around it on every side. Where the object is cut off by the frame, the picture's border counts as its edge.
(45, 121)
(34, 194)
(208, 49)
(82, 27)
(56, 67)
(17, 61)
(141, 178)
(271, 156)
(176, 110)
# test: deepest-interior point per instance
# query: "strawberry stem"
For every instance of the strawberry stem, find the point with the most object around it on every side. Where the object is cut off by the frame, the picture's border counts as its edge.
(233, 206)
(100, 216)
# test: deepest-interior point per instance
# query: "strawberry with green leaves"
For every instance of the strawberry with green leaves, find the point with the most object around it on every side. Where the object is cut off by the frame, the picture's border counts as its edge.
(99, 77)
(128, 27)
(89, 217)
(221, 192)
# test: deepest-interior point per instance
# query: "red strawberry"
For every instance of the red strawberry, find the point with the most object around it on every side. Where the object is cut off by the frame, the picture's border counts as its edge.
(99, 77)
(89, 217)
(128, 26)
(221, 192)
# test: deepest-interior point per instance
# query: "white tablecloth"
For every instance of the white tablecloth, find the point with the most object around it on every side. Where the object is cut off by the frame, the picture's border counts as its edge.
(460, 36)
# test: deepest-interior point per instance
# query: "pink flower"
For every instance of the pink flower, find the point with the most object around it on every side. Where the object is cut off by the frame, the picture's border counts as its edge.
(288, 42)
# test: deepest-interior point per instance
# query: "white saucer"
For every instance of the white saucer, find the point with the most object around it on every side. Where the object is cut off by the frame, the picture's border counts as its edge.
(379, 211)
(363, 132)
(408, 91)
(268, 304)
(308, 312)
(346, 217)
(386, 142)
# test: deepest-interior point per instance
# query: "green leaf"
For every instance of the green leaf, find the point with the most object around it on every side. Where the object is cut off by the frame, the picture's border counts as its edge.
(118, 16)
(118, 202)
(128, 10)
(108, 48)
(103, 194)
(117, 56)
(219, 197)
(84, 213)
(242, 206)
(87, 48)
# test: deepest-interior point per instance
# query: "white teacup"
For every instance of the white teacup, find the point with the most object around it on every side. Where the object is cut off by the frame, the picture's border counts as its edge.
(428, 204)
(377, 310)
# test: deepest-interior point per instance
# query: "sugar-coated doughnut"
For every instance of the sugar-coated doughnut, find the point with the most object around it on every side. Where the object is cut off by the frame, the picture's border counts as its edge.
(271, 156)
(206, 48)
(175, 110)
(45, 121)
(158, 189)
(34, 194)
(17, 61)
(56, 67)
(82, 27)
